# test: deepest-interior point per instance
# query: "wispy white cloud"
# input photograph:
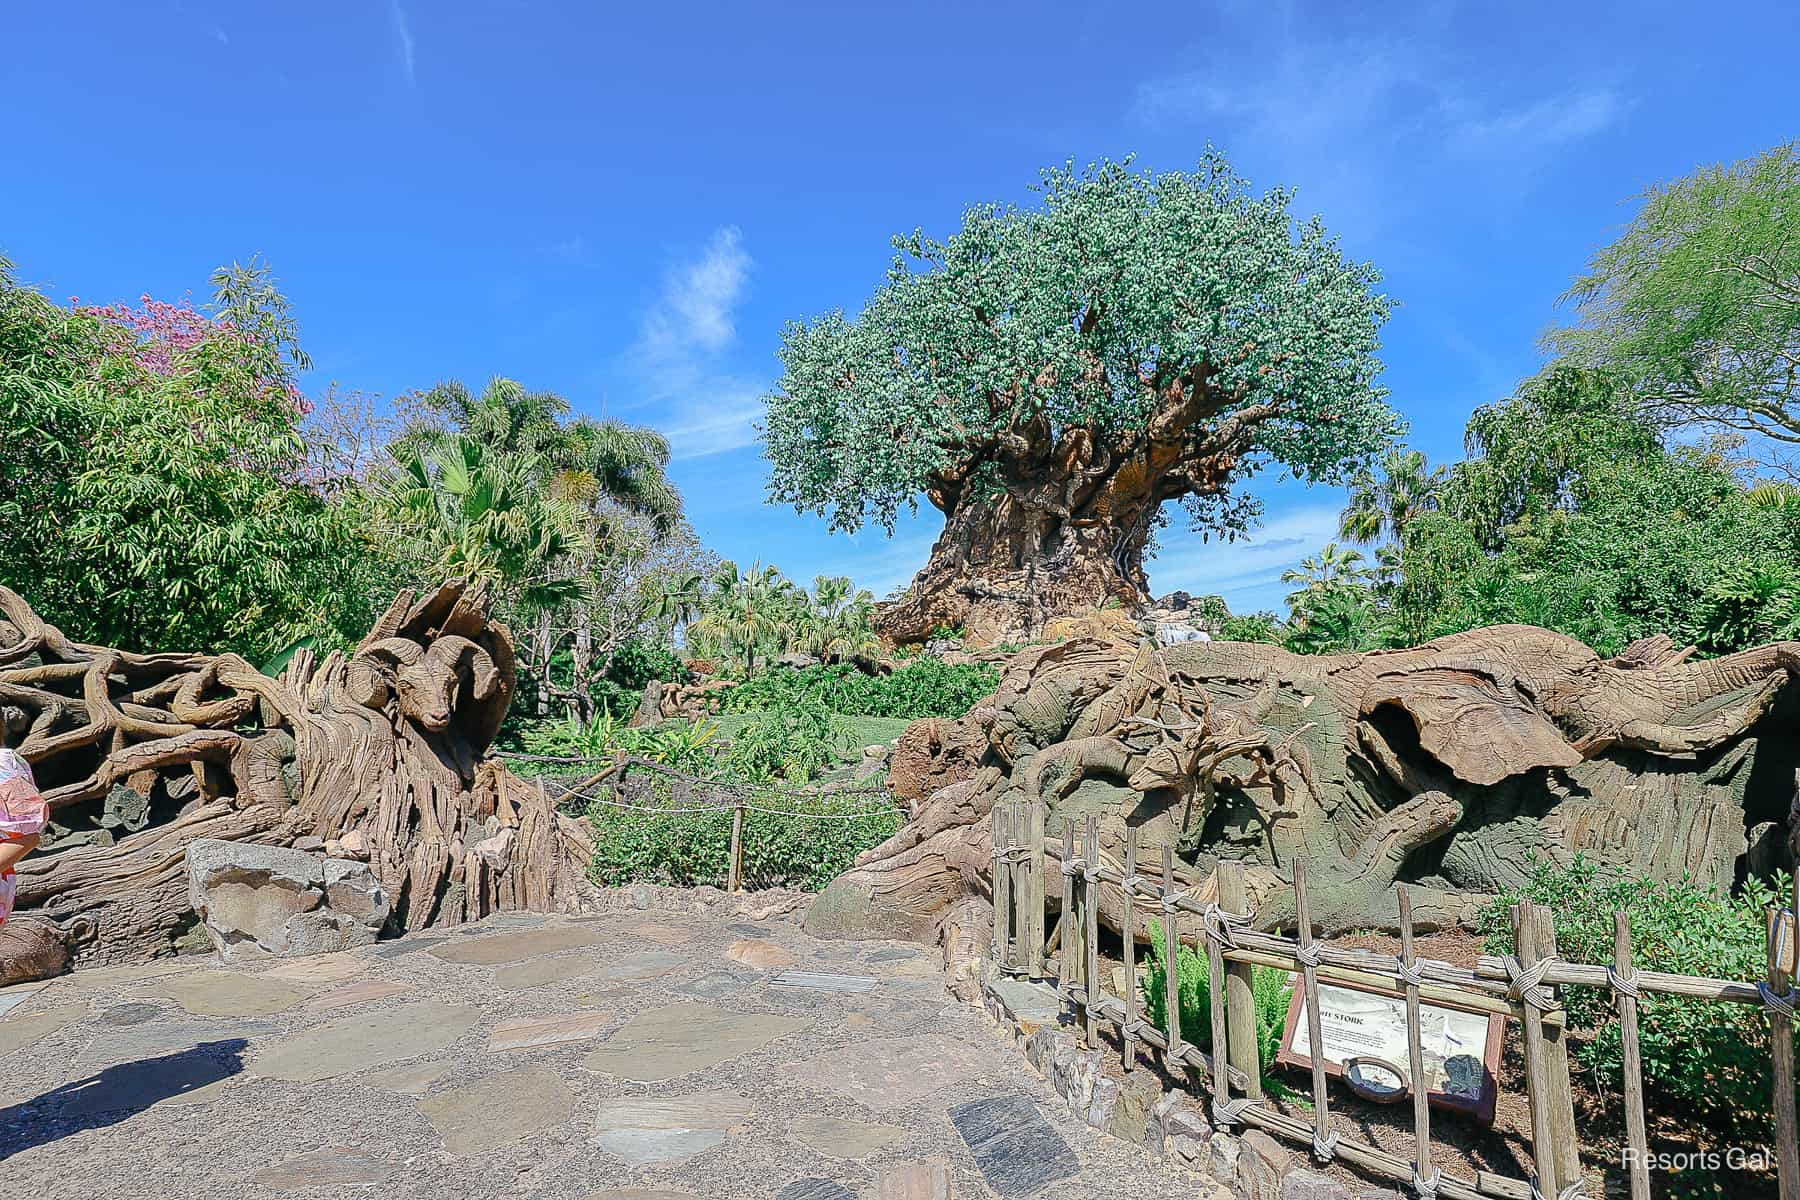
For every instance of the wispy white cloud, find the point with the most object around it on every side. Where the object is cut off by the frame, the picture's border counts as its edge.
(1247, 572)
(1545, 124)
(403, 36)
(698, 297)
(1356, 120)
(722, 419)
(681, 342)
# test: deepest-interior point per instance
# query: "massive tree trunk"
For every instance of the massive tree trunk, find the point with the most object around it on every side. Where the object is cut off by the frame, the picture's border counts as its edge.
(380, 749)
(1448, 765)
(1002, 569)
(1045, 523)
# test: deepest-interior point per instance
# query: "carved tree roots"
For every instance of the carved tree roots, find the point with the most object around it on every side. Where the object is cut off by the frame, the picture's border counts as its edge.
(1445, 765)
(139, 754)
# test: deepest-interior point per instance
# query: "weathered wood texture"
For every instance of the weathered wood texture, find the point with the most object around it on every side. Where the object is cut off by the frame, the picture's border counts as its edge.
(1451, 763)
(139, 754)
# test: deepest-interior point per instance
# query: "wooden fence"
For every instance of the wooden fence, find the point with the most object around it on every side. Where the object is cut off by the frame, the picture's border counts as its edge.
(1521, 988)
(610, 781)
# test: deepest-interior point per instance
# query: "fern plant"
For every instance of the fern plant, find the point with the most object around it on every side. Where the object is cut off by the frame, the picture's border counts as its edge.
(1270, 988)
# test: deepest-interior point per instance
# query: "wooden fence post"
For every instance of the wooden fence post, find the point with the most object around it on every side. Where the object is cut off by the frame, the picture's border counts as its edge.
(734, 869)
(1240, 994)
(1537, 1071)
(1217, 1009)
(1171, 977)
(1415, 1051)
(1781, 1046)
(1067, 924)
(1000, 827)
(1315, 1037)
(1556, 1059)
(1032, 869)
(1128, 952)
(1637, 1138)
(1090, 900)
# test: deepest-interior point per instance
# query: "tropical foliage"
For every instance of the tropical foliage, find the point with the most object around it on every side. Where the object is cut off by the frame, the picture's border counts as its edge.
(921, 687)
(749, 618)
(149, 476)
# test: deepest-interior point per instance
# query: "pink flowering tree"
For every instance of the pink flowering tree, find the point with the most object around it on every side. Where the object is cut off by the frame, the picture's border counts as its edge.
(150, 480)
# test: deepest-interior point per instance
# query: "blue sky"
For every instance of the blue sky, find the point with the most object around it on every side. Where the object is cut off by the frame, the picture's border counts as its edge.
(624, 203)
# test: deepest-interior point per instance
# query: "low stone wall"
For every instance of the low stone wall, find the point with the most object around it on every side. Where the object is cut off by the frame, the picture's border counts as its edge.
(1247, 1165)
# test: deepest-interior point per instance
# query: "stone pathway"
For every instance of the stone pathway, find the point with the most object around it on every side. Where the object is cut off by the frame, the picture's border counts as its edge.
(634, 1056)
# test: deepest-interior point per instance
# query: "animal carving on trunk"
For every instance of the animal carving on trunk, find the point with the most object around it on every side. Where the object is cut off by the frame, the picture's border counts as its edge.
(140, 754)
(1448, 765)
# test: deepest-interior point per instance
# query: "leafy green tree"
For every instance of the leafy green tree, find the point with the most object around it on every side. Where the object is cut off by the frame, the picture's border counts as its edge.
(480, 513)
(1049, 378)
(149, 479)
(1528, 454)
(1697, 304)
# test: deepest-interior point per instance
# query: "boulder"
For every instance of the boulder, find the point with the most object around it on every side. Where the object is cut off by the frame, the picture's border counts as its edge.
(258, 901)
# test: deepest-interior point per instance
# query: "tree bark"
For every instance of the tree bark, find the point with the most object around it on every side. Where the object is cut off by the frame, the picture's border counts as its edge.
(1004, 566)
(138, 755)
(1445, 765)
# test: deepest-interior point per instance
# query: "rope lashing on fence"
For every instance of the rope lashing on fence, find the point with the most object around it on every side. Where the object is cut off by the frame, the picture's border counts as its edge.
(1574, 1191)
(1527, 983)
(1075, 865)
(1131, 883)
(1623, 983)
(1782, 1004)
(1325, 1148)
(1410, 973)
(1231, 1112)
(1222, 925)
(1308, 955)
(1427, 1185)
(1171, 902)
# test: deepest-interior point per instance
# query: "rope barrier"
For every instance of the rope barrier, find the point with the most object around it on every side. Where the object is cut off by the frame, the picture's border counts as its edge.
(1779, 1003)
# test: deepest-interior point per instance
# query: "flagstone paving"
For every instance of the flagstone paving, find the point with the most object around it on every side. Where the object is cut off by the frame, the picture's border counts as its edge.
(622, 1056)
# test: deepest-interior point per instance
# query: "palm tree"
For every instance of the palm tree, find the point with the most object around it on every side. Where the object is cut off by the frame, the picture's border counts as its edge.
(1773, 495)
(1382, 505)
(676, 599)
(1334, 566)
(478, 514)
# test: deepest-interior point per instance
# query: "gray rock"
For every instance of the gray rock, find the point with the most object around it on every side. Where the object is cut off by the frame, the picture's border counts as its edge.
(1262, 1166)
(815, 1189)
(133, 1013)
(1310, 1185)
(326, 1167)
(1014, 1146)
(1221, 1159)
(645, 1131)
(257, 901)
(499, 1109)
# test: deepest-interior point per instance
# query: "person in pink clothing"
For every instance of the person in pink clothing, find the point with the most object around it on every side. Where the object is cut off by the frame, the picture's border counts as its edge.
(22, 813)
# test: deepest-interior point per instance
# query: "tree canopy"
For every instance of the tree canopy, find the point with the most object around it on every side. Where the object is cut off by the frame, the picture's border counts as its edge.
(1174, 326)
(1697, 303)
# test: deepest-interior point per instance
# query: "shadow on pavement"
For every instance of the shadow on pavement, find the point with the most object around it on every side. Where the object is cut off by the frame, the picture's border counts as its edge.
(116, 1094)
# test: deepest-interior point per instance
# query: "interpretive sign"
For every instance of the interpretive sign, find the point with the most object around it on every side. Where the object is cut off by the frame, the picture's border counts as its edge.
(1367, 1032)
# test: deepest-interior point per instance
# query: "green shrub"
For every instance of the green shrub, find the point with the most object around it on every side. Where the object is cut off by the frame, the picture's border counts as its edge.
(1712, 1058)
(1271, 988)
(685, 746)
(690, 849)
(923, 687)
(796, 744)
